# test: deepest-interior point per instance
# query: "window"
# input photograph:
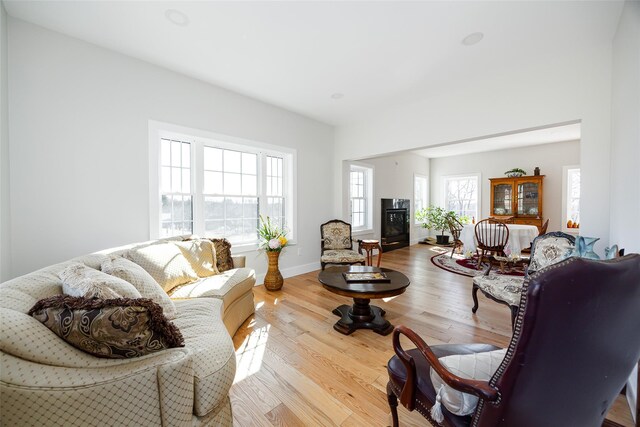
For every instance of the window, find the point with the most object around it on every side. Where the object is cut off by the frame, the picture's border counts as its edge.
(175, 186)
(571, 196)
(214, 187)
(360, 190)
(462, 194)
(420, 194)
(230, 190)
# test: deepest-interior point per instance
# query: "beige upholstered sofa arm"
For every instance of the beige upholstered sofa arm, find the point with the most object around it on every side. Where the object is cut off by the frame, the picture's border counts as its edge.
(239, 261)
(148, 391)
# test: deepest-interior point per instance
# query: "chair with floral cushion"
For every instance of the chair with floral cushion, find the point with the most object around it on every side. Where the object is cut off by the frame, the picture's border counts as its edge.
(546, 250)
(336, 245)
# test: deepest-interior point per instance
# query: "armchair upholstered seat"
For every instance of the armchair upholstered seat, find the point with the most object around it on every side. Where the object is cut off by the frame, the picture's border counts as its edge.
(336, 244)
(546, 250)
(562, 367)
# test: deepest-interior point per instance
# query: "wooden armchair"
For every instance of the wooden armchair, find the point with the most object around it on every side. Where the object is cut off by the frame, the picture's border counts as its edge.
(563, 367)
(336, 244)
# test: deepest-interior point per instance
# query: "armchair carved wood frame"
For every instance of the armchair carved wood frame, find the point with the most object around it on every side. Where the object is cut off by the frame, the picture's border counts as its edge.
(336, 245)
(562, 367)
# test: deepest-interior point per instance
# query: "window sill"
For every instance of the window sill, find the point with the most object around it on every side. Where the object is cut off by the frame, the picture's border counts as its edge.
(252, 247)
(362, 232)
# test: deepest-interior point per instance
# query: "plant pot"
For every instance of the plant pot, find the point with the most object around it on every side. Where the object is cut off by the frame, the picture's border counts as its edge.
(273, 279)
(442, 239)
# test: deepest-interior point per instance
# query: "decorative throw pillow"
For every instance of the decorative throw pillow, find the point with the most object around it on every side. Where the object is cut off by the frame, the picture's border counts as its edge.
(477, 366)
(224, 261)
(115, 329)
(165, 263)
(78, 280)
(201, 254)
(145, 284)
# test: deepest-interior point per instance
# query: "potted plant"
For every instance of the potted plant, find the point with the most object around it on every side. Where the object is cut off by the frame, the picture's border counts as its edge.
(436, 218)
(515, 172)
(273, 241)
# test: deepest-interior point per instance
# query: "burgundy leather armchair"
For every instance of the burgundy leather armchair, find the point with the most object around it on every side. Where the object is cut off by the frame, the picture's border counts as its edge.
(574, 345)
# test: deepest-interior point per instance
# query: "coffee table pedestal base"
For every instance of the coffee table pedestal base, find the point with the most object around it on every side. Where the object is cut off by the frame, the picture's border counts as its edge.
(362, 315)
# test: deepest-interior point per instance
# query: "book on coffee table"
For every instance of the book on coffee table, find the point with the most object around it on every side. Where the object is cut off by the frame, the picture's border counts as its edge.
(366, 277)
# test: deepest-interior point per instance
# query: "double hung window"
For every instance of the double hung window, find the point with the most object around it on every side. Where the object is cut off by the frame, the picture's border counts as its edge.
(219, 189)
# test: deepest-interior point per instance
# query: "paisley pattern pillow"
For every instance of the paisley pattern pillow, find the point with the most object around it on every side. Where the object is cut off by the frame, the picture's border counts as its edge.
(116, 328)
(224, 261)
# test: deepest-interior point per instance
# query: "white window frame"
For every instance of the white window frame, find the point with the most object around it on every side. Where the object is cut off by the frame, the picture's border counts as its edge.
(368, 188)
(565, 198)
(199, 138)
(417, 176)
(478, 176)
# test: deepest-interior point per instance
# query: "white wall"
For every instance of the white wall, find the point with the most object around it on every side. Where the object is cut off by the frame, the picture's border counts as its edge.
(393, 179)
(544, 91)
(79, 147)
(492, 164)
(5, 227)
(625, 143)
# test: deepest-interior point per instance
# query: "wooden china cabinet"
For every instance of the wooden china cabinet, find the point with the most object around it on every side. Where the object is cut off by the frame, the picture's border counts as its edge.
(520, 198)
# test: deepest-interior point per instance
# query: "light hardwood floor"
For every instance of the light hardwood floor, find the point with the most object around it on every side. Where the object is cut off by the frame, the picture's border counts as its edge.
(295, 370)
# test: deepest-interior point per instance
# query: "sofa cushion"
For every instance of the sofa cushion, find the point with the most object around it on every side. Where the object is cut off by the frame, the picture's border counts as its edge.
(224, 260)
(78, 280)
(201, 254)
(228, 286)
(478, 366)
(165, 263)
(343, 255)
(145, 284)
(115, 328)
(214, 361)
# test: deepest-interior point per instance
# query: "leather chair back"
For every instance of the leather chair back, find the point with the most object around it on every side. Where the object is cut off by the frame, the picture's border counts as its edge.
(575, 342)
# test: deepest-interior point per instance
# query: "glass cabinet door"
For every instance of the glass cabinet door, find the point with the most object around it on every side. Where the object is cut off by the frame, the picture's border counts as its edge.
(502, 199)
(528, 198)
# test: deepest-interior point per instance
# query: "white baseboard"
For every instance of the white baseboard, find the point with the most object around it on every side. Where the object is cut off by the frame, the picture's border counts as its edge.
(291, 271)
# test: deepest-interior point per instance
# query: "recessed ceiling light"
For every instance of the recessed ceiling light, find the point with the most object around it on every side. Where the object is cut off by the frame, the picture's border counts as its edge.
(337, 95)
(176, 17)
(472, 39)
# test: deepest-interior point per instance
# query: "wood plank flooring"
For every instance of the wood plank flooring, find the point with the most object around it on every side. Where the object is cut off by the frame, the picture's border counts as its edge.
(295, 370)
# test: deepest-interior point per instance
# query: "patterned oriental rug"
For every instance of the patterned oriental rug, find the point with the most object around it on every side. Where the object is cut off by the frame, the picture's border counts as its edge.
(469, 267)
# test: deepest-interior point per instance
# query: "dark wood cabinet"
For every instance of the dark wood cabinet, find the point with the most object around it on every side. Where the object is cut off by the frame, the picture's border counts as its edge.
(520, 198)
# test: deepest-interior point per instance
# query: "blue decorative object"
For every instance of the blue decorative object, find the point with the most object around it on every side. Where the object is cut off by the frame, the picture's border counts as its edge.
(611, 253)
(584, 247)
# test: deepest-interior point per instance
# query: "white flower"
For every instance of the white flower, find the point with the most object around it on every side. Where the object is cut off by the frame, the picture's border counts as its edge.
(274, 243)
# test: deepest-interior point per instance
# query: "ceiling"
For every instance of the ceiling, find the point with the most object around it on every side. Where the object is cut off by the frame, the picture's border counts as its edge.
(568, 132)
(296, 55)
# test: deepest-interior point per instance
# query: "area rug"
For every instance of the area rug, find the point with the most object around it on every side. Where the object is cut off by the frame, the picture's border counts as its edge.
(469, 267)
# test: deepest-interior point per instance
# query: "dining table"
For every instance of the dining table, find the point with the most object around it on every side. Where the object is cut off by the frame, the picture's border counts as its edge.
(520, 237)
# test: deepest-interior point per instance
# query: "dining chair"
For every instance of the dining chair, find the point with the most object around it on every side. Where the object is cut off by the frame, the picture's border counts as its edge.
(574, 346)
(491, 237)
(455, 228)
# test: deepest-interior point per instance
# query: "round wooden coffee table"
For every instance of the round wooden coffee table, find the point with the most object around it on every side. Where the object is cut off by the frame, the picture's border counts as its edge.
(362, 315)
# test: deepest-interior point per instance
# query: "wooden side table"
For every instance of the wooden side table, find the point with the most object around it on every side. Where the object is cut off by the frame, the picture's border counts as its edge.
(369, 246)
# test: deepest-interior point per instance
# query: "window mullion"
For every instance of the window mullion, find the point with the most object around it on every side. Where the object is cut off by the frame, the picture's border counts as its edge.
(197, 186)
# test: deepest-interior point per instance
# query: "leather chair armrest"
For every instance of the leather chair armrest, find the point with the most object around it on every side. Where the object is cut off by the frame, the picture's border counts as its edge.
(482, 389)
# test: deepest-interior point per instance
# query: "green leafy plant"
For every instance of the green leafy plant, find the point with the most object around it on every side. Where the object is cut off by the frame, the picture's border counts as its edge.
(515, 172)
(435, 218)
(273, 237)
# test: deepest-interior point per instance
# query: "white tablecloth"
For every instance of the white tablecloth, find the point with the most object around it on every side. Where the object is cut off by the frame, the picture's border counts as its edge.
(520, 237)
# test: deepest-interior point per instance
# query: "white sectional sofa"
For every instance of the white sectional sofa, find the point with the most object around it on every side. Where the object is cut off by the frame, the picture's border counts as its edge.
(46, 382)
